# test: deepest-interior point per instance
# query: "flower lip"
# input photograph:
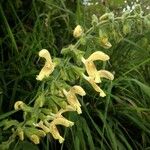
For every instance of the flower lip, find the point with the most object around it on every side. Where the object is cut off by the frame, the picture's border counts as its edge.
(78, 90)
(106, 74)
(98, 55)
(43, 52)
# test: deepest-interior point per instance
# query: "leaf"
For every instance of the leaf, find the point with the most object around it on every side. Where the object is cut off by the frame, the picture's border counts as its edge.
(88, 133)
(25, 145)
(144, 87)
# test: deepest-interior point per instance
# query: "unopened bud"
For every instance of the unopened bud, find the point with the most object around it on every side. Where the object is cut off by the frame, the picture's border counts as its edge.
(78, 31)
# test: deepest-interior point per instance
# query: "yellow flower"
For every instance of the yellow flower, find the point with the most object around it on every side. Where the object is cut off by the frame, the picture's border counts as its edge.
(54, 131)
(72, 99)
(78, 31)
(106, 74)
(58, 119)
(98, 55)
(78, 90)
(90, 66)
(63, 121)
(94, 75)
(95, 86)
(48, 67)
(20, 133)
(43, 127)
(35, 139)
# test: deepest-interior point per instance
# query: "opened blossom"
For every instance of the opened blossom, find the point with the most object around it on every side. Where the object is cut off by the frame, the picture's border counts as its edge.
(48, 67)
(94, 75)
(55, 133)
(72, 98)
(58, 119)
(90, 66)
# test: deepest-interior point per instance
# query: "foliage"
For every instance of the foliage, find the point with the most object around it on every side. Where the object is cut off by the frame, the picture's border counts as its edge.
(118, 121)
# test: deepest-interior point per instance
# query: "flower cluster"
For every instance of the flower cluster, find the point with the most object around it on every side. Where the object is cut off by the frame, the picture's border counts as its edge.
(57, 119)
(49, 120)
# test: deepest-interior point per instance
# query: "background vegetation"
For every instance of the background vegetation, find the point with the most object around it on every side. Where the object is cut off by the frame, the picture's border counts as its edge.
(119, 122)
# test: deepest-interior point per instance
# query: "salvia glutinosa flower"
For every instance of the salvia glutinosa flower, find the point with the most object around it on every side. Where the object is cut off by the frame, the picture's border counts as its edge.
(90, 66)
(94, 75)
(20, 133)
(78, 31)
(53, 128)
(56, 119)
(55, 133)
(43, 127)
(72, 98)
(48, 67)
(34, 138)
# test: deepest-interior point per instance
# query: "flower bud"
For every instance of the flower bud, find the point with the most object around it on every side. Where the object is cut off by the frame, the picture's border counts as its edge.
(18, 105)
(35, 139)
(104, 42)
(78, 31)
(20, 133)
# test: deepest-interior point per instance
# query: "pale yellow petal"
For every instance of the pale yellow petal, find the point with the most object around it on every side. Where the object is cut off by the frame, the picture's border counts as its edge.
(73, 101)
(68, 108)
(92, 71)
(45, 54)
(20, 133)
(98, 55)
(43, 127)
(35, 139)
(63, 121)
(106, 74)
(95, 86)
(55, 133)
(77, 31)
(45, 71)
(48, 67)
(78, 90)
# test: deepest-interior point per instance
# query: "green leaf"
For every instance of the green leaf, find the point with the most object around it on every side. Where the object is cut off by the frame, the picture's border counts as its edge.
(144, 87)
